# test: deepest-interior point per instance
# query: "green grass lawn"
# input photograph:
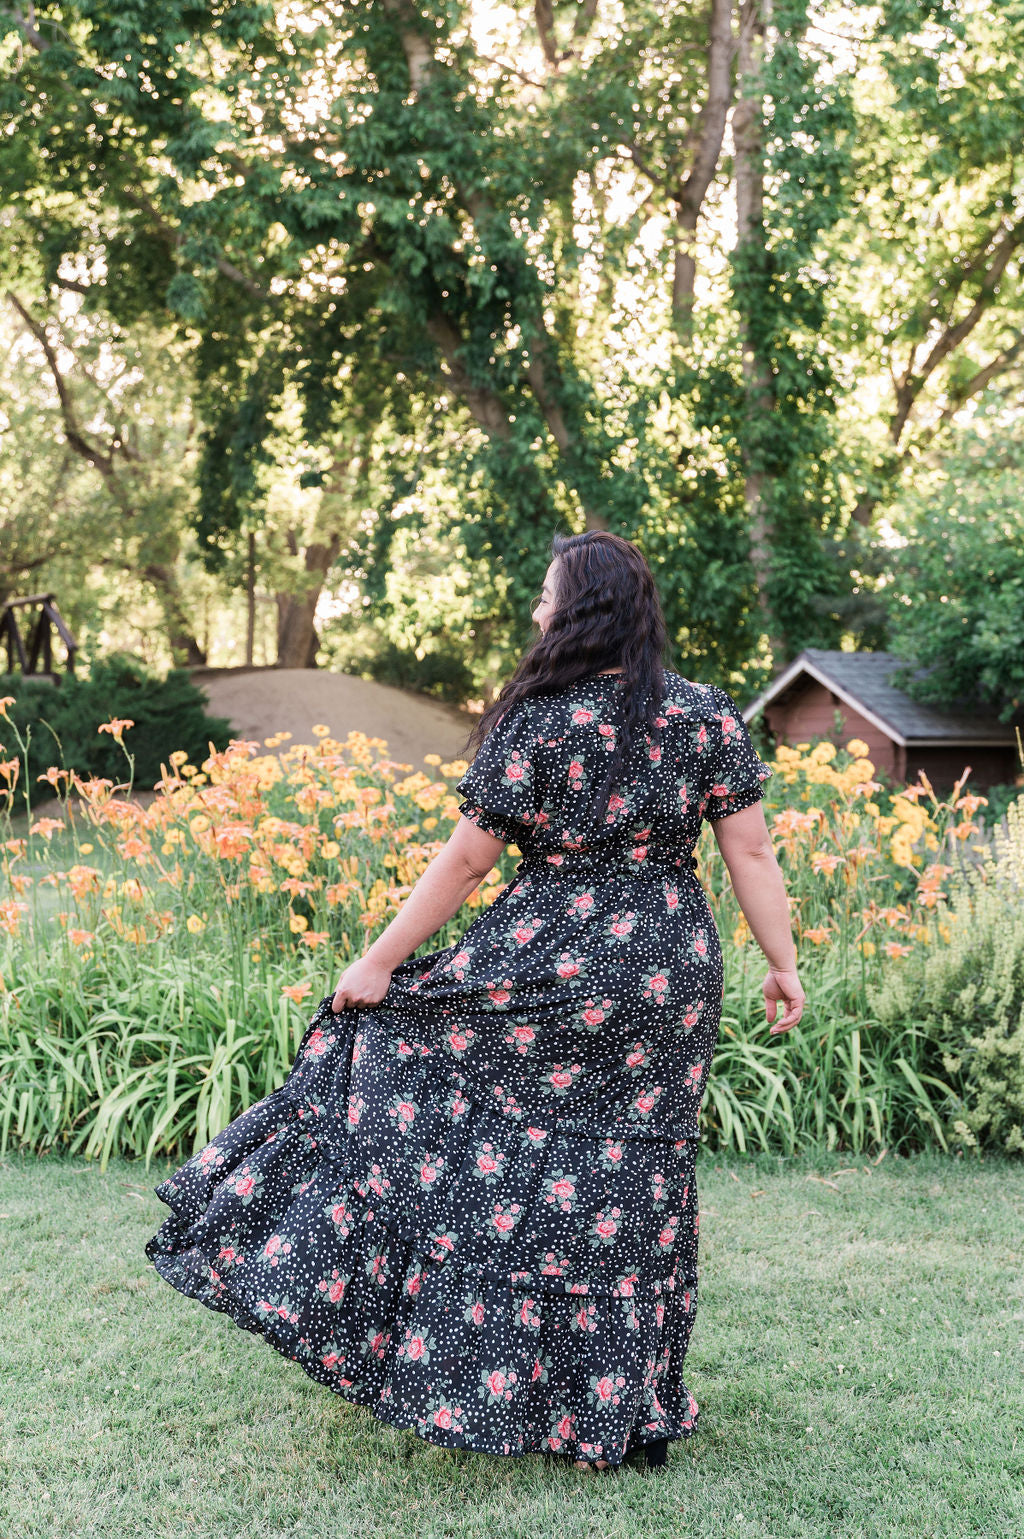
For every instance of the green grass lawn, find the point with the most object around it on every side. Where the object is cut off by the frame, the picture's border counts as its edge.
(857, 1357)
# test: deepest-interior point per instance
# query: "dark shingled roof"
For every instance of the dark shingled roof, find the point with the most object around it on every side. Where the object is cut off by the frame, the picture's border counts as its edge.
(862, 677)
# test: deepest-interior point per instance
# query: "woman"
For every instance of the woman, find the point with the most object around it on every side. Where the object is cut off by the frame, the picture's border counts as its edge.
(472, 1205)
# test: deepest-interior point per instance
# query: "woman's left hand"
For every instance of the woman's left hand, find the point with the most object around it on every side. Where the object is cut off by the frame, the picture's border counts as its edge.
(363, 982)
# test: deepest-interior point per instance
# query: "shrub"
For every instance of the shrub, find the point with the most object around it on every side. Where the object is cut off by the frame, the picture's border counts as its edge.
(168, 713)
(967, 997)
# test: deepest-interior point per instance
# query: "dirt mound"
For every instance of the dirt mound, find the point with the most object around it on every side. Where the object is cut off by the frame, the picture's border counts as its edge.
(262, 701)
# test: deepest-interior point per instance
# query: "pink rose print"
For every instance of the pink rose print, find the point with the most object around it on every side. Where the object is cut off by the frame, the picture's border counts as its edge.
(700, 942)
(505, 1220)
(342, 1218)
(594, 1014)
(561, 1191)
(637, 1057)
(536, 1135)
(377, 1268)
(667, 1237)
(458, 1041)
(656, 986)
(568, 966)
(500, 993)
(475, 1312)
(527, 1316)
(575, 773)
(356, 1107)
(605, 1227)
(488, 1161)
(496, 1384)
(403, 1112)
(582, 717)
(276, 1249)
(517, 769)
(693, 1076)
(611, 1155)
(248, 1184)
(333, 1287)
(522, 1038)
(430, 1170)
(560, 1078)
(621, 926)
(584, 1319)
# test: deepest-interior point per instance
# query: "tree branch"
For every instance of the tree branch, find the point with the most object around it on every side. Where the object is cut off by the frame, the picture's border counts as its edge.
(707, 135)
(914, 379)
(175, 239)
(73, 431)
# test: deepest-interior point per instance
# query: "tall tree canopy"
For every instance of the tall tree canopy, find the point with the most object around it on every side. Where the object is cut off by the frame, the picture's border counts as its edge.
(706, 275)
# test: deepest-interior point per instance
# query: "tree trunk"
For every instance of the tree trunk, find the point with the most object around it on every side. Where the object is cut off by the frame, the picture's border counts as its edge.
(297, 639)
(750, 239)
(185, 649)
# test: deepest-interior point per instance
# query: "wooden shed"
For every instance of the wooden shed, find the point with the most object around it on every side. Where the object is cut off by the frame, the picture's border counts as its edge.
(834, 696)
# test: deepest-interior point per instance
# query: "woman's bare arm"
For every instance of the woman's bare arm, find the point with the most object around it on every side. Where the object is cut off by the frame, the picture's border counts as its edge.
(442, 888)
(760, 889)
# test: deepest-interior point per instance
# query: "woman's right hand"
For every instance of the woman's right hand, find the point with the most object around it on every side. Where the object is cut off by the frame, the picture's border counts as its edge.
(783, 987)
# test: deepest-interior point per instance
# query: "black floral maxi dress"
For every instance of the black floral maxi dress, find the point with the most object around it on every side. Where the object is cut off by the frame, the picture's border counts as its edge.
(472, 1206)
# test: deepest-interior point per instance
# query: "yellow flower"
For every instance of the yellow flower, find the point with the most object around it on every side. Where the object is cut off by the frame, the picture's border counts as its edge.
(321, 731)
(195, 925)
(178, 758)
(741, 934)
(431, 758)
(297, 923)
(331, 850)
(85, 849)
(868, 948)
(857, 747)
(429, 822)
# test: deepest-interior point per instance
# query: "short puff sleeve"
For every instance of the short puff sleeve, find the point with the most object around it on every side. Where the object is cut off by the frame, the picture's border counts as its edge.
(732, 775)
(502, 785)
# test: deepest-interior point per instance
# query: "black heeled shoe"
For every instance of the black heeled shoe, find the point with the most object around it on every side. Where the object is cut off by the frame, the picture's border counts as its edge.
(651, 1456)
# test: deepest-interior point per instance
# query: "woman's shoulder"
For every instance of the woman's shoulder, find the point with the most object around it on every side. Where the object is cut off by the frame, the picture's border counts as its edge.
(691, 699)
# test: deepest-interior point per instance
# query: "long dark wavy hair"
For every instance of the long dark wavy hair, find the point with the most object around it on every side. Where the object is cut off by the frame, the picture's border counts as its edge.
(607, 615)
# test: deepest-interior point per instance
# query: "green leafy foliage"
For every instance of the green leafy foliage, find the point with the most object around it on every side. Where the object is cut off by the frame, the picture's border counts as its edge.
(957, 590)
(966, 997)
(60, 721)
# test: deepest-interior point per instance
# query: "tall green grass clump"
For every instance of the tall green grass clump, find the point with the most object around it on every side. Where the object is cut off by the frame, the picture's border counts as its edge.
(967, 997)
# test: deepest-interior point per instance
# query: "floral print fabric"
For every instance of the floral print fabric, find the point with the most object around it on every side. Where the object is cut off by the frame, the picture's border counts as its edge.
(472, 1207)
